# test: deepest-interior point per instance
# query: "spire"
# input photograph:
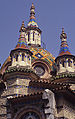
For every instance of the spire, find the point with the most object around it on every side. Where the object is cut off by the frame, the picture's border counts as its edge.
(64, 49)
(63, 35)
(22, 41)
(32, 12)
(22, 29)
(32, 21)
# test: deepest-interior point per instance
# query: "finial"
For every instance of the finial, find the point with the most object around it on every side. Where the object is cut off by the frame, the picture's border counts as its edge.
(32, 21)
(32, 12)
(64, 49)
(62, 30)
(63, 35)
(22, 29)
(32, 7)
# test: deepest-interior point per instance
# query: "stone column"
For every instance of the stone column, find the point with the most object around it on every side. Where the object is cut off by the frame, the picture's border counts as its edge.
(72, 64)
(66, 62)
(13, 60)
(20, 57)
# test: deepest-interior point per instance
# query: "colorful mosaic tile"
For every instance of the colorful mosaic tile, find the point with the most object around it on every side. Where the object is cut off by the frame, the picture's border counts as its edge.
(64, 49)
(32, 23)
(40, 53)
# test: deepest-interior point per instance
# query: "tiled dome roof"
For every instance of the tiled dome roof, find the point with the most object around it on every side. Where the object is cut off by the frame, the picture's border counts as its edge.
(40, 53)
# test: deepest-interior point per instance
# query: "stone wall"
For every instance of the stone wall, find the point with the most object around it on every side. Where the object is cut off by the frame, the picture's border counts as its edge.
(69, 110)
(3, 110)
(65, 108)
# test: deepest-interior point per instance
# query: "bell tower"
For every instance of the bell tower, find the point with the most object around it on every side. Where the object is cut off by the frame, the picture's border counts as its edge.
(33, 33)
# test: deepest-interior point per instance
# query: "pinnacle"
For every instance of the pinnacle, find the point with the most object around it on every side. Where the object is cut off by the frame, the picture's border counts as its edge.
(62, 30)
(32, 7)
(64, 49)
(22, 29)
(63, 35)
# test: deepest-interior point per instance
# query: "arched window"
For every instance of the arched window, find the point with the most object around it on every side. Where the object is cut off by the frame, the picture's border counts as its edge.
(22, 57)
(28, 36)
(58, 66)
(16, 57)
(69, 62)
(63, 63)
(33, 35)
(28, 56)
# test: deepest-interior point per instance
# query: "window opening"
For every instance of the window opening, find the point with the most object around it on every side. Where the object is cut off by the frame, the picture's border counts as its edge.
(16, 57)
(63, 63)
(69, 61)
(22, 57)
(28, 36)
(33, 35)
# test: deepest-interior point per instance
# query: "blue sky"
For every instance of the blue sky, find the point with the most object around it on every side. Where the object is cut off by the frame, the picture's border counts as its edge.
(51, 16)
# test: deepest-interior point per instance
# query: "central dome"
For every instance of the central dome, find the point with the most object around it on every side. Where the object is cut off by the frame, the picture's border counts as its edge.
(41, 53)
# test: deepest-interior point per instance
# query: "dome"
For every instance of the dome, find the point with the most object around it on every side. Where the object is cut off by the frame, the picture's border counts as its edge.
(39, 53)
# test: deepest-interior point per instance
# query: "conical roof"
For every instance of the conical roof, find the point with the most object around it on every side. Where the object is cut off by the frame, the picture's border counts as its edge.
(32, 21)
(64, 49)
(21, 44)
(22, 41)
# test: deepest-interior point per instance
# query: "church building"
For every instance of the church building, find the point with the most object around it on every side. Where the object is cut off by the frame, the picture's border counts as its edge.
(33, 83)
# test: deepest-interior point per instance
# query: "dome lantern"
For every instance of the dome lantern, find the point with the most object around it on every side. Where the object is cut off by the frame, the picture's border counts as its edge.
(33, 33)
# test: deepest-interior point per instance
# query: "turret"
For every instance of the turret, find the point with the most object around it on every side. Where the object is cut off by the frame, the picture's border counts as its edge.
(20, 73)
(21, 55)
(33, 33)
(65, 60)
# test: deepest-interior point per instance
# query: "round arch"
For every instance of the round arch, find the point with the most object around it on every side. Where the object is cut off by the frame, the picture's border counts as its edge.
(28, 109)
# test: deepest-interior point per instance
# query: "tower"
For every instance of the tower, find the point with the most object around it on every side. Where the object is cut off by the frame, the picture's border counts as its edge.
(65, 60)
(21, 55)
(65, 63)
(20, 66)
(33, 33)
